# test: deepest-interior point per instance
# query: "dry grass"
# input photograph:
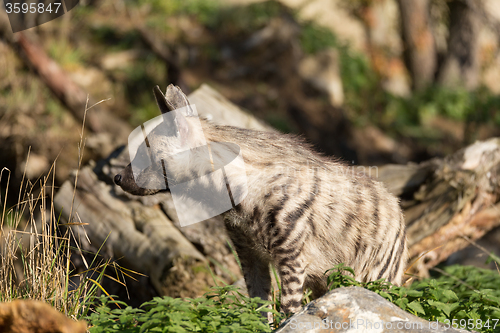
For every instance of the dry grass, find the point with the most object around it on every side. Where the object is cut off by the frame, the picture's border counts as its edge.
(35, 251)
(36, 247)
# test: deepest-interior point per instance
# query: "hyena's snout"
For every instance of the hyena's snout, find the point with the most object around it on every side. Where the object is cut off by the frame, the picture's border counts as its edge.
(149, 181)
(125, 179)
(118, 179)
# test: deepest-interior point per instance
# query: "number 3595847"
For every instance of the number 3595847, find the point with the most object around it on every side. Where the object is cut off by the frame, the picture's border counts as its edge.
(32, 8)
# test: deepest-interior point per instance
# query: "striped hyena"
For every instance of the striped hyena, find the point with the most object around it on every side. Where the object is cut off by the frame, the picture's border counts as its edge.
(303, 212)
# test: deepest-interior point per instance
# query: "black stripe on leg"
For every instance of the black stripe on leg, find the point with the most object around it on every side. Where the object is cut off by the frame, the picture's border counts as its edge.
(291, 279)
(291, 291)
(291, 304)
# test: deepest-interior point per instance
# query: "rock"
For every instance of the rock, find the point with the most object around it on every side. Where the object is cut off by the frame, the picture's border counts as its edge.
(218, 109)
(356, 309)
(28, 316)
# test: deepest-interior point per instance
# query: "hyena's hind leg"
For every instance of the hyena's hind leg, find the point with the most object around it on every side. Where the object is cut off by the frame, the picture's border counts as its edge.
(255, 269)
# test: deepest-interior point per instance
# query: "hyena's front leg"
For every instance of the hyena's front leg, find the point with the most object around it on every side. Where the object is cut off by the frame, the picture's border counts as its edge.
(255, 269)
(292, 271)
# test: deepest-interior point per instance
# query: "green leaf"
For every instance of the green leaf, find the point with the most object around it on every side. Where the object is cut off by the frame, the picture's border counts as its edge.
(450, 294)
(417, 307)
(386, 295)
(414, 293)
(402, 303)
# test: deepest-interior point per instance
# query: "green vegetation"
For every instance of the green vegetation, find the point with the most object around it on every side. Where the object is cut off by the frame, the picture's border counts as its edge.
(198, 8)
(215, 16)
(460, 295)
(146, 72)
(479, 106)
(115, 40)
(358, 78)
(392, 113)
(222, 310)
(65, 54)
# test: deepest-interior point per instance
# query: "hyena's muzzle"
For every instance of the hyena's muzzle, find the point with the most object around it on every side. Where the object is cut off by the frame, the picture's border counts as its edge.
(126, 180)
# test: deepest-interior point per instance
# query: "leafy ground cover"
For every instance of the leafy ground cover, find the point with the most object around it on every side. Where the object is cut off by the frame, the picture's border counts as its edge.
(465, 297)
(462, 296)
(223, 310)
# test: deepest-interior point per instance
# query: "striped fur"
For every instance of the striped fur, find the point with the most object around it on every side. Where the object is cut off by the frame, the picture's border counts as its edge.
(304, 213)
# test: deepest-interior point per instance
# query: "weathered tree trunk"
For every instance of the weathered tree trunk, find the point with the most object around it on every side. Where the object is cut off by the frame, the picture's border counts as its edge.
(447, 201)
(419, 46)
(461, 63)
(143, 236)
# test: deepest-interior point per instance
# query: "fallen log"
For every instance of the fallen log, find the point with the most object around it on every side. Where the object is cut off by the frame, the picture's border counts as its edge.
(143, 236)
(447, 202)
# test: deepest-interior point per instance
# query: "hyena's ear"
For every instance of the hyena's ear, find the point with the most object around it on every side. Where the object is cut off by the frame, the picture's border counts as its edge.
(175, 99)
(162, 101)
(172, 100)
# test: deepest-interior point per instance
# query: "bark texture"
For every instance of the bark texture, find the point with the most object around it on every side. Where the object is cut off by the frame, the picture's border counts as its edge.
(418, 40)
(460, 66)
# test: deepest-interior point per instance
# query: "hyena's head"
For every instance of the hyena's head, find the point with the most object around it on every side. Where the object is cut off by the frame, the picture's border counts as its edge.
(165, 146)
